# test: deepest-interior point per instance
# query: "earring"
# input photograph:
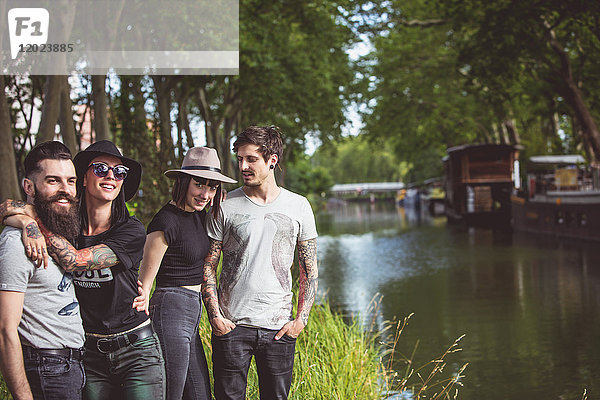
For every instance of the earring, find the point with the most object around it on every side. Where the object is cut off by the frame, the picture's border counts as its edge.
(272, 166)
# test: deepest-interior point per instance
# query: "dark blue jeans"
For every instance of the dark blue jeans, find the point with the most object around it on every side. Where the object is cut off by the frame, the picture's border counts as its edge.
(53, 377)
(134, 372)
(175, 313)
(233, 352)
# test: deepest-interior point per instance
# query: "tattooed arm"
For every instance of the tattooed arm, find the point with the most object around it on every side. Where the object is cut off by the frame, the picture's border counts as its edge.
(19, 214)
(14, 207)
(307, 257)
(70, 259)
(220, 324)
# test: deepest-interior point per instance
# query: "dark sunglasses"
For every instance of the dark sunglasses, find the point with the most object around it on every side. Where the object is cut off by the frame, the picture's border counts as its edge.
(101, 169)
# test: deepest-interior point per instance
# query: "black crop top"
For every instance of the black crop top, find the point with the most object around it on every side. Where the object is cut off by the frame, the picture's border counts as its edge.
(188, 245)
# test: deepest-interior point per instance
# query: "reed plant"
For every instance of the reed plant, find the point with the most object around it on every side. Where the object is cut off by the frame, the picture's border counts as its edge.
(427, 381)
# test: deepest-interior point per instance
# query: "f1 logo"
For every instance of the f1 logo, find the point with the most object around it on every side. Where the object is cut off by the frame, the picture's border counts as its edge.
(27, 26)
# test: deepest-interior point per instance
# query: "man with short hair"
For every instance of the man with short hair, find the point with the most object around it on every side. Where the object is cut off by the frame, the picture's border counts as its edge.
(258, 229)
(41, 333)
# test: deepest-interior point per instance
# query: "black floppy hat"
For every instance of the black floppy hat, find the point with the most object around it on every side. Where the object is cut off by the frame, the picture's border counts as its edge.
(105, 147)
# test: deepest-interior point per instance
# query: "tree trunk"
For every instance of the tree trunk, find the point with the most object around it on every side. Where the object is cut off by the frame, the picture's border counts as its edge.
(513, 133)
(162, 87)
(183, 119)
(574, 96)
(484, 134)
(50, 108)
(100, 121)
(9, 189)
(67, 125)
(54, 83)
(183, 124)
(220, 127)
(138, 143)
(497, 135)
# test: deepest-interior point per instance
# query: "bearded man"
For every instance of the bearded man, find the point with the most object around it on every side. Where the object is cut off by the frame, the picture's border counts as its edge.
(41, 334)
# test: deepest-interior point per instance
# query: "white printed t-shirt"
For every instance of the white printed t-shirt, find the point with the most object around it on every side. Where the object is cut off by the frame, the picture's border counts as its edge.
(255, 286)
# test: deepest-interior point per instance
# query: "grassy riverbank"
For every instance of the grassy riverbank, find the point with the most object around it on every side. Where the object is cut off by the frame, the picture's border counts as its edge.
(336, 360)
(333, 360)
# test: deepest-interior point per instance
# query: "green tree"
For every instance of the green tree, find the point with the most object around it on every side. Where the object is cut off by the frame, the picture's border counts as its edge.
(356, 159)
(303, 177)
(294, 72)
(447, 73)
(418, 100)
(554, 44)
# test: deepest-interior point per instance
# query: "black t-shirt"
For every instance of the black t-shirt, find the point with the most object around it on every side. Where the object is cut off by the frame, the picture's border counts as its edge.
(106, 296)
(188, 246)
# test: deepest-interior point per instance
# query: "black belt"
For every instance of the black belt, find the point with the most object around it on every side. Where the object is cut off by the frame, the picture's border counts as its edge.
(118, 341)
(76, 354)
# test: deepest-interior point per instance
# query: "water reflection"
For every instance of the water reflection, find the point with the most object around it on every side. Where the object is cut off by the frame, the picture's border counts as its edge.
(529, 306)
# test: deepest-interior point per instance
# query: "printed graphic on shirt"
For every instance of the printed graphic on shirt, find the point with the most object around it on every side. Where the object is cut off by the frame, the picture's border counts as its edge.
(64, 285)
(92, 279)
(283, 248)
(69, 309)
(257, 257)
(234, 256)
(65, 282)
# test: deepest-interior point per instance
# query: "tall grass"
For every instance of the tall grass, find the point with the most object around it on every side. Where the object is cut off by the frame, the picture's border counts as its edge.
(419, 382)
(340, 361)
(4, 394)
(333, 360)
(336, 360)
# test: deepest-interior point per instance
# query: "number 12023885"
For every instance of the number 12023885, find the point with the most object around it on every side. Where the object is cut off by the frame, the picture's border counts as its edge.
(46, 48)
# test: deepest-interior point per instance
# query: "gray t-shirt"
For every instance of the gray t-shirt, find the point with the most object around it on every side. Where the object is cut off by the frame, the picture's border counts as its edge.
(255, 286)
(51, 317)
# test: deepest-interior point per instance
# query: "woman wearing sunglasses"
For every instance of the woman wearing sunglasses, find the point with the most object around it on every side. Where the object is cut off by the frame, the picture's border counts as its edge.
(123, 355)
(123, 358)
(174, 253)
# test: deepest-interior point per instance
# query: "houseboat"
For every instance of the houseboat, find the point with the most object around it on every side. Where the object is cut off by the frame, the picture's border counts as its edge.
(562, 198)
(479, 180)
(433, 196)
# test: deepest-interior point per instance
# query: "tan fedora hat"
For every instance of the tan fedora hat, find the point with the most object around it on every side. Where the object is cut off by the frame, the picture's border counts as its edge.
(202, 162)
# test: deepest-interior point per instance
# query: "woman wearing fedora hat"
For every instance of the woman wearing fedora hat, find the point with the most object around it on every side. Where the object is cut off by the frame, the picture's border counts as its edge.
(123, 357)
(174, 254)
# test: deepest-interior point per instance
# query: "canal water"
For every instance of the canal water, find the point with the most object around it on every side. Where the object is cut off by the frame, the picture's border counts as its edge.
(529, 306)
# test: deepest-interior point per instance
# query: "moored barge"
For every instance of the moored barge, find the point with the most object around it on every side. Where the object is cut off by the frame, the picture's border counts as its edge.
(562, 199)
(478, 183)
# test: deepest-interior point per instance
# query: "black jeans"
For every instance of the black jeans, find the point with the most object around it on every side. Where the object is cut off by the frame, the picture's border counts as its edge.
(134, 372)
(53, 377)
(175, 313)
(233, 352)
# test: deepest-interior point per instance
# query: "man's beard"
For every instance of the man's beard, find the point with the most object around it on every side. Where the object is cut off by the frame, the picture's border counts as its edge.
(64, 222)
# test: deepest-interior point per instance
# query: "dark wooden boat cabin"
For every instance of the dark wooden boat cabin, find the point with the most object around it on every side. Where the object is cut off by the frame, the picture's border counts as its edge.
(562, 198)
(478, 183)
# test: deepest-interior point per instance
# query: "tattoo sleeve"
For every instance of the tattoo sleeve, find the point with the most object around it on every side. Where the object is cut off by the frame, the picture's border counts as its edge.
(11, 207)
(308, 280)
(70, 259)
(209, 279)
(32, 231)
